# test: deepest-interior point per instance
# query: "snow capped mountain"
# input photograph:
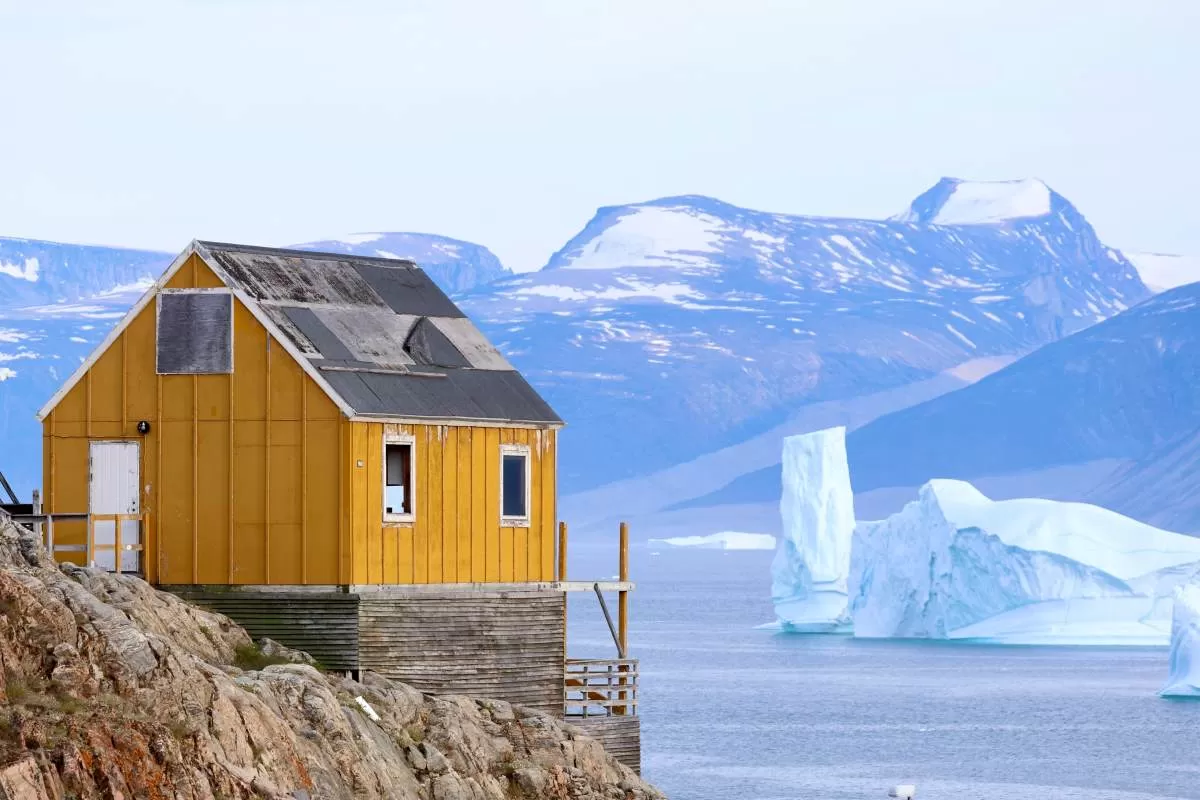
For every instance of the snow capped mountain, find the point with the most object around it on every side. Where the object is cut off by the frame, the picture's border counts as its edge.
(58, 301)
(672, 328)
(956, 202)
(669, 328)
(1162, 271)
(453, 264)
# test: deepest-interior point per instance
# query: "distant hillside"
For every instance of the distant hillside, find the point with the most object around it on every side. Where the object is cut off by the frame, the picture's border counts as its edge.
(453, 264)
(1126, 389)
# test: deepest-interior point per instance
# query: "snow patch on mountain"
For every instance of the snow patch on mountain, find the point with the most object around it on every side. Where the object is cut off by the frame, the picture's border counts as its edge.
(1162, 271)
(957, 202)
(651, 236)
(27, 272)
(626, 289)
(989, 202)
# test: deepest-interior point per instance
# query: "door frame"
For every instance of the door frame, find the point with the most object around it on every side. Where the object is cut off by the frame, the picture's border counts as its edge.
(143, 554)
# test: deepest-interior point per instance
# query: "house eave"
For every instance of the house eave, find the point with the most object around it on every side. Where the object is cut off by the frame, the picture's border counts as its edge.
(462, 422)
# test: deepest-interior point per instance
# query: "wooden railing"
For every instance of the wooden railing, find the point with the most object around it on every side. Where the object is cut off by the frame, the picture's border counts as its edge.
(601, 687)
(117, 548)
(43, 524)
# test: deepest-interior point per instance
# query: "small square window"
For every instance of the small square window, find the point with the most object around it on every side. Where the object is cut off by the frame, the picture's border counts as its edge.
(194, 332)
(514, 485)
(398, 484)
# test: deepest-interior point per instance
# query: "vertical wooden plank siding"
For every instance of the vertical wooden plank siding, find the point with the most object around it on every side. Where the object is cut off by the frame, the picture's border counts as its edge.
(478, 507)
(421, 506)
(464, 500)
(205, 461)
(491, 503)
(433, 502)
(449, 510)
(455, 536)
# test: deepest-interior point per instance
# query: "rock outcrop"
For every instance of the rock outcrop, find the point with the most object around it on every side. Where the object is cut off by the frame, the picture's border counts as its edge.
(113, 689)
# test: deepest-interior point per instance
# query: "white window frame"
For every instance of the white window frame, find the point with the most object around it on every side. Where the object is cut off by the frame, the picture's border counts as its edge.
(516, 450)
(204, 290)
(411, 441)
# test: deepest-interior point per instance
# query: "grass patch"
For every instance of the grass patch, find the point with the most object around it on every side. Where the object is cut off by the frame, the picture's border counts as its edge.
(251, 657)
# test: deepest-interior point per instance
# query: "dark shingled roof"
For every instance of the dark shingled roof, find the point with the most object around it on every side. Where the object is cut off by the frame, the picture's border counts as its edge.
(381, 334)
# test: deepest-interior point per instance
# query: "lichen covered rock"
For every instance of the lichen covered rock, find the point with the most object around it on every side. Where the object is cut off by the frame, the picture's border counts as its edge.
(113, 689)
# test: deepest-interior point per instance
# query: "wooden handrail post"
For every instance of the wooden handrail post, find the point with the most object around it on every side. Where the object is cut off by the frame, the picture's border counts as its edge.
(623, 597)
(118, 523)
(562, 551)
(623, 605)
(36, 507)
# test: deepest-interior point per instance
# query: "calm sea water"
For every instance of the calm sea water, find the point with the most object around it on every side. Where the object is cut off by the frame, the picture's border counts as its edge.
(734, 713)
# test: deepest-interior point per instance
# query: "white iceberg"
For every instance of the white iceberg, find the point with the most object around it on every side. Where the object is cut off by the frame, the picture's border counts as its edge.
(956, 565)
(725, 540)
(1184, 672)
(811, 569)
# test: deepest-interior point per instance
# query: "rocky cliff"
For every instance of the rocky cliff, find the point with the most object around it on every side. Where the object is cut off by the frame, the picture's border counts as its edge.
(113, 689)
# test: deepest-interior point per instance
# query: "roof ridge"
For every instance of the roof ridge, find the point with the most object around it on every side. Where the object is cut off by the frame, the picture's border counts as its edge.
(291, 251)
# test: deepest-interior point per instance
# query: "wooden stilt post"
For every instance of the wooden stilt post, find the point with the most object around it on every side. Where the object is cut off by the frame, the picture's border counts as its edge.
(623, 614)
(623, 596)
(562, 551)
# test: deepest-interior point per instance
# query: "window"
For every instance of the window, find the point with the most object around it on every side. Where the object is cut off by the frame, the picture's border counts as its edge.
(514, 485)
(398, 483)
(194, 332)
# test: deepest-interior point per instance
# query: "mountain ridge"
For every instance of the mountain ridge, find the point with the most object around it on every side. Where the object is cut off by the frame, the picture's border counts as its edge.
(687, 314)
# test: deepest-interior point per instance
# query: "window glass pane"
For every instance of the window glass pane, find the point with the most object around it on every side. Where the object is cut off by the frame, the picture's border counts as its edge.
(397, 494)
(514, 486)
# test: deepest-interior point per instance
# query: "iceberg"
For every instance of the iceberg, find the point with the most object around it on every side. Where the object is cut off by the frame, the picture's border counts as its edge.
(956, 565)
(725, 540)
(1184, 672)
(811, 568)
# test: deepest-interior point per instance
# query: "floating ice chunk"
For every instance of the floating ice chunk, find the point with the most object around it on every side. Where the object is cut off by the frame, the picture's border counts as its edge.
(812, 565)
(956, 565)
(1184, 672)
(725, 540)
(1118, 545)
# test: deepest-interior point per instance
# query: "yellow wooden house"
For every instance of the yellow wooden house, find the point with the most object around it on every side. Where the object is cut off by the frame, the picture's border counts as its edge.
(291, 418)
(325, 448)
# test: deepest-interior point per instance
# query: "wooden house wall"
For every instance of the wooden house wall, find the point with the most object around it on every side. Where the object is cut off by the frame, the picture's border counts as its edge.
(456, 535)
(240, 473)
(620, 735)
(504, 645)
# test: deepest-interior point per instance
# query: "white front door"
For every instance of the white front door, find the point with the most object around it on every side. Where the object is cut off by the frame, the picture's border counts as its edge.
(114, 490)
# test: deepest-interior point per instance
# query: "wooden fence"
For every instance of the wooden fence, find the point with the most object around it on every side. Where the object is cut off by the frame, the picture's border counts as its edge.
(601, 687)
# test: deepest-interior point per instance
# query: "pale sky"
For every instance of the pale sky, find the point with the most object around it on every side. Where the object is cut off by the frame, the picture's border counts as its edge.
(508, 123)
